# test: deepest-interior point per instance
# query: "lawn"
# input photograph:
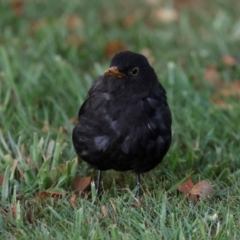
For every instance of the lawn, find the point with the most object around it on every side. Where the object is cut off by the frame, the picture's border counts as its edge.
(50, 53)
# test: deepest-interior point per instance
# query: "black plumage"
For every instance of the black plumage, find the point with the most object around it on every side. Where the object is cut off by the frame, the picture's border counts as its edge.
(125, 122)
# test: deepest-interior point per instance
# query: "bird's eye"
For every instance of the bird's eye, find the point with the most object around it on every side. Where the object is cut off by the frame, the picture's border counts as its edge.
(134, 71)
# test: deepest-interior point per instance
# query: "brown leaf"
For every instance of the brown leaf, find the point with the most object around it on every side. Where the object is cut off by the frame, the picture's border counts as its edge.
(220, 103)
(114, 47)
(64, 130)
(202, 189)
(212, 76)
(136, 204)
(129, 20)
(104, 211)
(74, 120)
(74, 40)
(49, 194)
(81, 184)
(197, 191)
(73, 201)
(1, 179)
(186, 186)
(115, 211)
(14, 210)
(229, 60)
(34, 26)
(74, 22)
(17, 7)
(166, 15)
(231, 89)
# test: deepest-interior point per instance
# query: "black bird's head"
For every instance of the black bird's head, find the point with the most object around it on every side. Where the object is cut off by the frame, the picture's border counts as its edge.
(132, 68)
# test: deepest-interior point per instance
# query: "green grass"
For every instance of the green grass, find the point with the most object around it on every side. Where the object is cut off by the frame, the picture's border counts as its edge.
(43, 81)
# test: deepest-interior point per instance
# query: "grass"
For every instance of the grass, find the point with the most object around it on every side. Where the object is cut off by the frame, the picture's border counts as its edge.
(44, 77)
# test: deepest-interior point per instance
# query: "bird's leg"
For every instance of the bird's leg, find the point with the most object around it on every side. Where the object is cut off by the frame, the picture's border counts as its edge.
(138, 193)
(99, 182)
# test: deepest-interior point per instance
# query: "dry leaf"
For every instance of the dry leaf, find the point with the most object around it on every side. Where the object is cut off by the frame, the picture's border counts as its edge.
(14, 210)
(231, 89)
(49, 194)
(104, 211)
(186, 186)
(74, 22)
(74, 120)
(36, 25)
(63, 130)
(212, 76)
(220, 103)
(229, 60)
(1, 179)
(202, 189)
(136, 204)
(81, 184)
(166, 15)
(73, 201)
(114, 47)
(129, 21)
(197, 191)
(74, 40)
(17, 7)
(22, 150)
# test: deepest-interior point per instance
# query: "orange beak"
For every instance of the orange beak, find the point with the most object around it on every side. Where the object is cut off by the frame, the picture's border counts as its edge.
(113, 71)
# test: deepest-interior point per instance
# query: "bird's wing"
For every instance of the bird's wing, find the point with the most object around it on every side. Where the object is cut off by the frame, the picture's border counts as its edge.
(91, 93)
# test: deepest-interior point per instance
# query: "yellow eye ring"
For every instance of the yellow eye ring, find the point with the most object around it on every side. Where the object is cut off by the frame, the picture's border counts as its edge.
(134, 71)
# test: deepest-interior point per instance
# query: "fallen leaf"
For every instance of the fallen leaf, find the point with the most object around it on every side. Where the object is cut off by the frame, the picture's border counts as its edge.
(14, 210)
(1, 179)
(196, 192)
(212, 76)
(114, 47)
(115, 211)
(22, 150)
(63, 130)
(136, 204)
(166, 15)
(74, 120)
(50, 193)
(104, 211)
(229, 60)
(74, 40)
(73, 201)
(129, 21)
(231, 89)
(17, 7)
(202, 189)
(35, 25)
(186, 186)
(80, 184)
(74, 22)
(220, 103)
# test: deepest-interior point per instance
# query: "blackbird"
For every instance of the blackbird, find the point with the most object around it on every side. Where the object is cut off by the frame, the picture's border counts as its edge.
(125, 122)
